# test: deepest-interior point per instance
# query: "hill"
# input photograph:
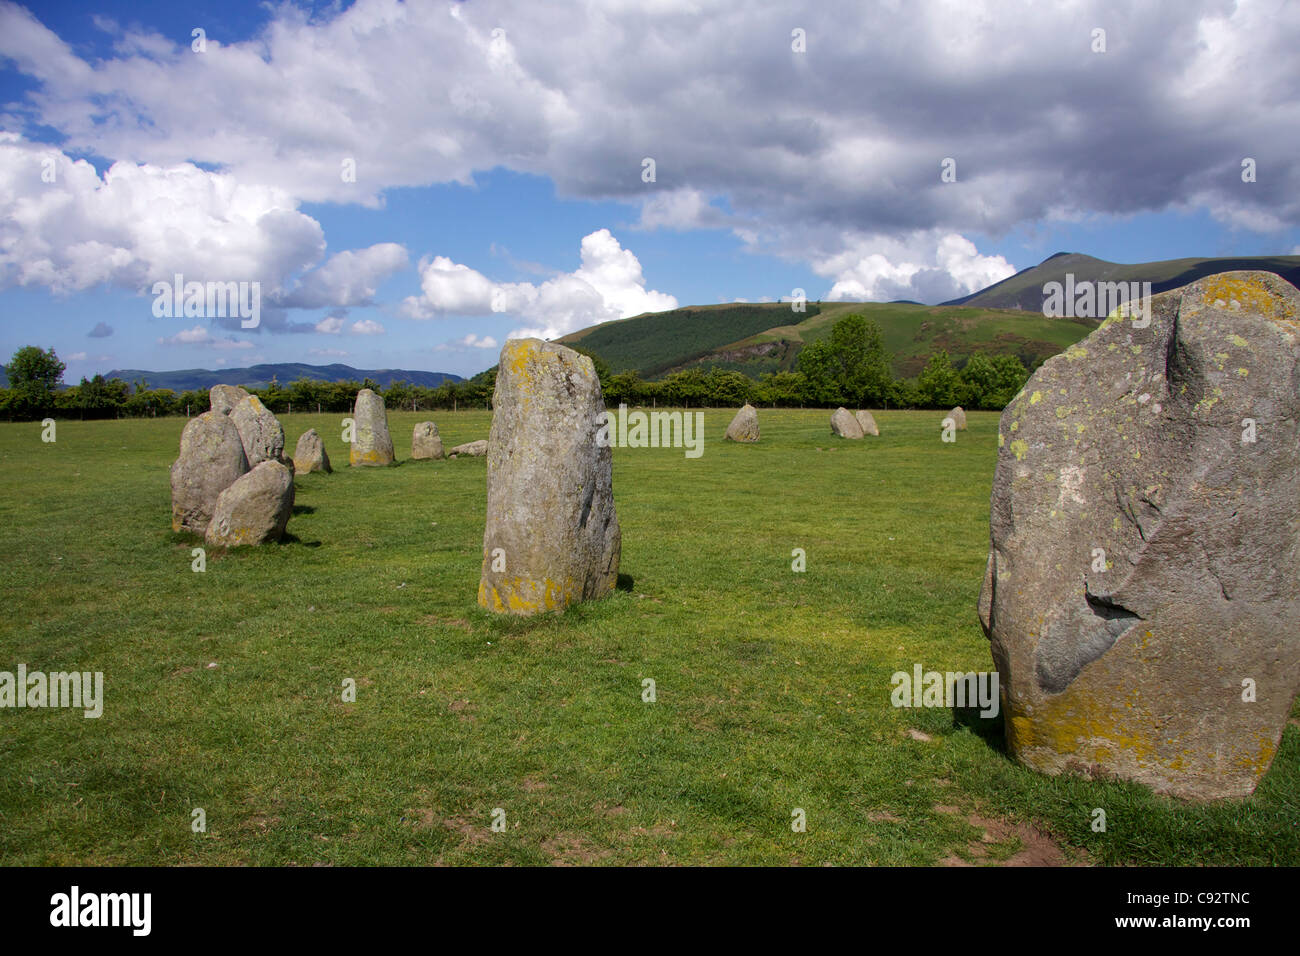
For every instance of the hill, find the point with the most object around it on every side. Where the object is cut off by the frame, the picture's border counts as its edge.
(1024, 290)
(258, 376)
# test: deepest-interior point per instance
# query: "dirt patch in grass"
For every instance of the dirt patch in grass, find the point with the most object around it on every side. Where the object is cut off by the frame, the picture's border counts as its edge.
(571, 849)
(1036, 846)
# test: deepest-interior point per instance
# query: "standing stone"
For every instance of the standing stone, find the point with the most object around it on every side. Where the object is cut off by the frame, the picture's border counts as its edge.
(223, 398)
(309, 454)
(475, 449)
(867, 422)
(1145, 543)
(259, 430)
(958, 416)
(211, 459)
(255, 509)
(371, 443)
(844, 424)
(744, 427)
(552, 536)
(425, 441)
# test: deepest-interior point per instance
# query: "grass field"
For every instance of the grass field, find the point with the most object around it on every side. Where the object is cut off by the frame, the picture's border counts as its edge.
(223, 689)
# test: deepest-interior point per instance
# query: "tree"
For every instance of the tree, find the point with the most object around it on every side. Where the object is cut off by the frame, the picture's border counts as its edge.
(859, 360)
(939, 384)
(34, 374)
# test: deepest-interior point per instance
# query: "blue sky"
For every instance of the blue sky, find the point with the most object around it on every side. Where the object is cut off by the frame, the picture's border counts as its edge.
(499, 152)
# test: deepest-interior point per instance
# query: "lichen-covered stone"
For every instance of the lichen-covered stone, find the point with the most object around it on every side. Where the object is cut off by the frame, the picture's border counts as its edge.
(309, 454)
(426, 443)
(223, 398)
(1141, 588)
(211, 459)
(255, 509)
(844, 424)
(744, 427)
(259, 430)
(958, 416)
(474, 449)
(552, 536)
(371, 442)
(867, 422)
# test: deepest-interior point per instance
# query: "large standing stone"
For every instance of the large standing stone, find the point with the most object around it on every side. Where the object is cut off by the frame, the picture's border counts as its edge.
(844, 424)
(744, 427)
(958, 416)
(867, 422)
(426, 442)
(259, 430)
(552, 537)
(1145, 532)
(211, 458)
(255, 509)
(309, 454)
(371, 443)
(223, 398)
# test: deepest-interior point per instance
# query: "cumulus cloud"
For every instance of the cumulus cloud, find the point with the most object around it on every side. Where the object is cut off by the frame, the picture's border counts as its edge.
(607, 285)
(470, 341)
(928, 268)
(100, 331)
(366, 327)
(200, 336)
(348, 278)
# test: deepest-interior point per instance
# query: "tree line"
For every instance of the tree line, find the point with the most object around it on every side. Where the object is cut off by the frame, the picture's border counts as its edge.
(849, 367)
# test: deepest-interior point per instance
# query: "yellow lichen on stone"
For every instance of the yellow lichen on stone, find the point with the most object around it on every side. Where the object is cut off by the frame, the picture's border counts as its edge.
(1020, 447)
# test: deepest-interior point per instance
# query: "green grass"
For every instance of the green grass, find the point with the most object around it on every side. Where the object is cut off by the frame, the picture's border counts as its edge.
(773, 687)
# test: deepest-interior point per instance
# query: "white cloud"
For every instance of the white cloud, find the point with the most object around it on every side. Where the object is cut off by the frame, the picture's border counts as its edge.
(348, 278)
(330, 325)
(77, 357)
(927, 267)
(200, 336)
(366, 327)
(607, 285)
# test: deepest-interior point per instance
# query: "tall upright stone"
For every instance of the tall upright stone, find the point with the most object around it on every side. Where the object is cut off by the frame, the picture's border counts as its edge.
(426, 443)
(223, 398)
(1141, 589)
(844, 424)
(309, 454)
(552, 535)
(259, 430)
(211, 459)
(744, 427)
(371, 443)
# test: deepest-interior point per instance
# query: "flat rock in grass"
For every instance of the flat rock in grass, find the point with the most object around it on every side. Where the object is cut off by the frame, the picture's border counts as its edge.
(222, 398)
(426, 442)
(475, 449)
(867, 422)
(259, 430)
(1140, 594)
(371, 442)
(552, 537)
(211, 459)
(255, 509)
(844, 424)
(309, 454)
(744, 427)
(958, 416)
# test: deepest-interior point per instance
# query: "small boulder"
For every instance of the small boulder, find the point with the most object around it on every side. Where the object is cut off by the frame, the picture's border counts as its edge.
(425, 442)
(223, 398)
(309, 454)
(255, 509)
(476, 449)
(844, 424)
(211, 459)
(259, 430)
(868, 423)
(958, 416)
(371, 442)
(744, 427)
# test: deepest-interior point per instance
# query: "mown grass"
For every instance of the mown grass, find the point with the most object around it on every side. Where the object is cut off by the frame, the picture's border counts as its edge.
(772, 687)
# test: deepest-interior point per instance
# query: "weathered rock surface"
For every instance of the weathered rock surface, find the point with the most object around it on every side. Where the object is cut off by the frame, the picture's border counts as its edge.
(426, 442)
(958, 416)
(371, 442)
(476, 449)
(309, 454)
(844, 424)
(1145, 543)
(744, 427)
(211, 459)
(255, 509)
(259, 430)
(552, 536)
(867, 422)
(223, 398)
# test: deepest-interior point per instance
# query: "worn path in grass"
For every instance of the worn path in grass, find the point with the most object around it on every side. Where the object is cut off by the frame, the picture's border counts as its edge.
(224, 689)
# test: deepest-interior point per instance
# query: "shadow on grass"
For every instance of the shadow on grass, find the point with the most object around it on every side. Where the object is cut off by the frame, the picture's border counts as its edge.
(624, 583)
(304, 510)
(989, 729)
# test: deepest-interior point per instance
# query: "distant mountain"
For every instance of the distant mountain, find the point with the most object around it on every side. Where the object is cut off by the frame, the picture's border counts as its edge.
(259, 376)
(1024, 290)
